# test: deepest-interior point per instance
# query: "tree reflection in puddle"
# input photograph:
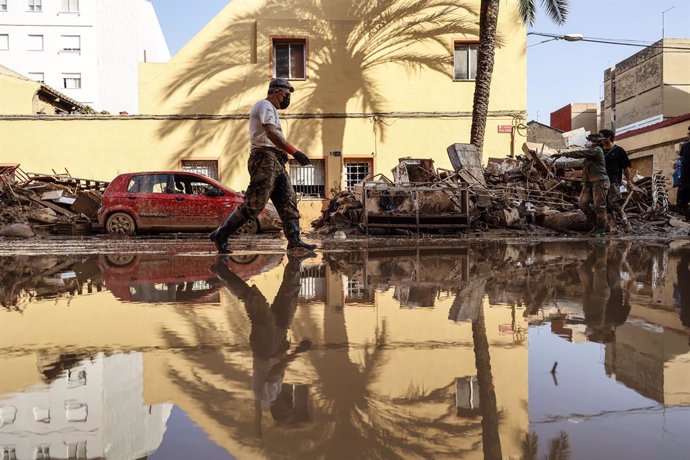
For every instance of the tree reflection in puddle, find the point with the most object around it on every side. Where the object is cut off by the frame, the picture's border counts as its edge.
(378, 353)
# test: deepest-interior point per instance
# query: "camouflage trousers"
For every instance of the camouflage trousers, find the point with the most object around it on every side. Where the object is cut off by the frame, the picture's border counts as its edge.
(269, 179)
(614, 202)
(593, 200)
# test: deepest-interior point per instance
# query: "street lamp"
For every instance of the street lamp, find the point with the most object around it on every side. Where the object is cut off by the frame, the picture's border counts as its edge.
(573, 37)
(552, 37)
(663, 35)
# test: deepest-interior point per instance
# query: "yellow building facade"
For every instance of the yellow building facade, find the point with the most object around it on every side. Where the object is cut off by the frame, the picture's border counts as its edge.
(373, 84)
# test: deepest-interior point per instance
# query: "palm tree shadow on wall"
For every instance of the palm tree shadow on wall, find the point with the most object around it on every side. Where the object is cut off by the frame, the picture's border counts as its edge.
(378, 33)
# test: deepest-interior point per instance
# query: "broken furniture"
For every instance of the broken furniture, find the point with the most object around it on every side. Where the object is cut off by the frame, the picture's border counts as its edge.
(415, 205)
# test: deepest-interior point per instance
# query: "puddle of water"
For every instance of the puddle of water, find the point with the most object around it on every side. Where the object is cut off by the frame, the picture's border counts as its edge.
(381, 353)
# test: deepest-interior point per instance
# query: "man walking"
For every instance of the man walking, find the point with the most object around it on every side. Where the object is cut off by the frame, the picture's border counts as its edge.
(595, 182)
(268, 177)
(617, 163)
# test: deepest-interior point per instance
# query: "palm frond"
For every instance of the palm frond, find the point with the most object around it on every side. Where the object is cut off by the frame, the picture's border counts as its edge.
(556, 9)
(559, 448)
(530, 446)
(528, 12)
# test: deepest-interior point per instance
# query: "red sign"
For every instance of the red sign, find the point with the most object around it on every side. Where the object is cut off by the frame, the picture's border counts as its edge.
(505, 128)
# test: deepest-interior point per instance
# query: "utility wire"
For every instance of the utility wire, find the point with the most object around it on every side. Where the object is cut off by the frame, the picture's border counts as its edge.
(622, 42)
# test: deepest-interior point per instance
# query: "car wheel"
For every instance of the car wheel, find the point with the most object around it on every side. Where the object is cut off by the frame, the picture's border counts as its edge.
(120, 260)
(120, 223)
(243, 259)
(250, 228)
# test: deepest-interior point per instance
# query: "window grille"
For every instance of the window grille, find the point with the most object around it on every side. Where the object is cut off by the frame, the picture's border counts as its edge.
(3, 5)
(35, 5)
(289, 59)
(355, 172)
(465, 57)
(208, 168)
(309, 181)
(313, 285)
(356, 290)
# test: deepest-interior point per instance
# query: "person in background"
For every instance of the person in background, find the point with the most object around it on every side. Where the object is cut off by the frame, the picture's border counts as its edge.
(684, 186)
(617, 164)
(595, 181)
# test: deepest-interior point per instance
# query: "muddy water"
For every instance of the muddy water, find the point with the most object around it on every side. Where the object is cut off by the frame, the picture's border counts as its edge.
(391, 353)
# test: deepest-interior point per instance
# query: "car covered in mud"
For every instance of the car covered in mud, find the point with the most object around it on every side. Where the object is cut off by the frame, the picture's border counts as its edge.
(153, 278)
(173, 201)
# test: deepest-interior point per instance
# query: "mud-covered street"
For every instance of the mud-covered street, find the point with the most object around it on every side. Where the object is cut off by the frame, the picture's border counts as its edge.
(431, 348)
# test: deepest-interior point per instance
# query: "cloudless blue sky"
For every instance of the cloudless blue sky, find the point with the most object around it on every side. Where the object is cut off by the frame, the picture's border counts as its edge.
(558, 72)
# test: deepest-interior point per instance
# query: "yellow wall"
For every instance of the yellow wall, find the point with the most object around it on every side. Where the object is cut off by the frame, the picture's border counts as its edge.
(16, 96)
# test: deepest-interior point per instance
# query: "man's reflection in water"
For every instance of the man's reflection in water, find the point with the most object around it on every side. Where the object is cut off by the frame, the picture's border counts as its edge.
(606, 297)
(268, 339)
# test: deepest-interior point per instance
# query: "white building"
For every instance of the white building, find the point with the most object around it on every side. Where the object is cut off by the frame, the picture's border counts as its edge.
(94, 410)
(88, 49)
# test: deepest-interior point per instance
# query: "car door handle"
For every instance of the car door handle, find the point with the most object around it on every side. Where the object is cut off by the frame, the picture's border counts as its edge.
(131, 197)
(179, 198)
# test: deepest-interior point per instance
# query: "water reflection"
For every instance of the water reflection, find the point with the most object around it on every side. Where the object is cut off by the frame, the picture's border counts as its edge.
(380, 353)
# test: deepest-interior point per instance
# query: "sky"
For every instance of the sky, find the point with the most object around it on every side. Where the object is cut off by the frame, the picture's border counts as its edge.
(558, 72)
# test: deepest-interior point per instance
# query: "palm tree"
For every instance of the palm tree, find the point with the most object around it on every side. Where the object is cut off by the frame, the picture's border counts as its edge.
(488, 23)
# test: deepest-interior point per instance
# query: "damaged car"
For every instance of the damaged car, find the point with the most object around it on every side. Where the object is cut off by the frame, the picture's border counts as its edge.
(174, 201)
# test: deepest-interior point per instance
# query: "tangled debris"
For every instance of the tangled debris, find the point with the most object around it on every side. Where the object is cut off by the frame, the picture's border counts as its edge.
(47, 203)
(530, 191)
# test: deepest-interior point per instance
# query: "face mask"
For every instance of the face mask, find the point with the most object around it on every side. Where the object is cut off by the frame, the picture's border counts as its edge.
(589, 144)
(285, 103)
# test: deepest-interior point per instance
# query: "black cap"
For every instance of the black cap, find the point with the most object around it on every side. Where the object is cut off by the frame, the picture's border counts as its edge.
(281, 83)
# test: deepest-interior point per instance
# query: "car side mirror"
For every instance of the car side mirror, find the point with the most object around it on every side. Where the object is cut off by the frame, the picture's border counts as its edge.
(214, 192)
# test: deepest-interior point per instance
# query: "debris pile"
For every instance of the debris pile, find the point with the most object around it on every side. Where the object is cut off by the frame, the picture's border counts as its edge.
(344, 213)
(531, 191)
(47, 203)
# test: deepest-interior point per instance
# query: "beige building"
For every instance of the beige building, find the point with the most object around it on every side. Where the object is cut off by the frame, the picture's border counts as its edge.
(654, 148)
(648, 87)
(375, 81)
(22, 96)
(575, 116)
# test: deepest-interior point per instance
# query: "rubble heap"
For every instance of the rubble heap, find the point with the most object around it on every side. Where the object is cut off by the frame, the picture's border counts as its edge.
(47, 203)
(530, 191)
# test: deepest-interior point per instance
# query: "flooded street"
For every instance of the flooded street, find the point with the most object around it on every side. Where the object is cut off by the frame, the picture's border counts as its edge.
(481, 350)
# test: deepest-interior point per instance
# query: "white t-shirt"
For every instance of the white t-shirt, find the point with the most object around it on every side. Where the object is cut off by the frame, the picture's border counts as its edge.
(263, 113)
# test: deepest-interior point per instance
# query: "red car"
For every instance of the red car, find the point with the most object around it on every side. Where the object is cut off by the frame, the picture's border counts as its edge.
(157, 278)
(172, 201)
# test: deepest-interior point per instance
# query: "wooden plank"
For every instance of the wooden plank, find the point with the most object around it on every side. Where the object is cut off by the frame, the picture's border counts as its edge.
(54, 207)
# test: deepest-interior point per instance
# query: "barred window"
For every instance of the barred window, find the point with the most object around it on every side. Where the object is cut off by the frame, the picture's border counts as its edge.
(309, 181)
(313, 283)
(355, 172)
(208, 168)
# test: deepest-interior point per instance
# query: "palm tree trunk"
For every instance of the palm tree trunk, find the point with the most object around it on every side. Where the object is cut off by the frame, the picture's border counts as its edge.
(491, 442)
(488, 23)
